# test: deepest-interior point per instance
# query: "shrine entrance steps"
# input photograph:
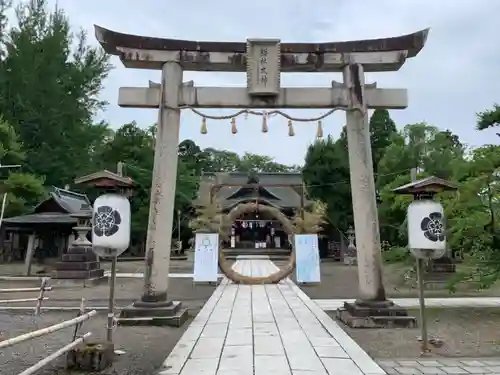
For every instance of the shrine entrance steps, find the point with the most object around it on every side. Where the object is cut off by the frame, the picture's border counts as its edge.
(265, 329)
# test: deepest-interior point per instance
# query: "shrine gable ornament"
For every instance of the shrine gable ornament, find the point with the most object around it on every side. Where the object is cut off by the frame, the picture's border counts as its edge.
(111, 224)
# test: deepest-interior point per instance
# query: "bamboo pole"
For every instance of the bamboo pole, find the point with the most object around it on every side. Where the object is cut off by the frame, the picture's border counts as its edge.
(22, 300)
(44, 362)
(46, 331)
(39, 301)
(80, 313)
(24, 290)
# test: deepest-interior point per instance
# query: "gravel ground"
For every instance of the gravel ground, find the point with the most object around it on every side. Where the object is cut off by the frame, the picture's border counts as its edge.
(176, 266)
(465, 332)
(127, 291)
(341, 281)
(146, 347)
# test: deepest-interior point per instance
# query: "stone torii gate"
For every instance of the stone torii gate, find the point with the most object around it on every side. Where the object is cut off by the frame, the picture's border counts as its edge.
(263, 60)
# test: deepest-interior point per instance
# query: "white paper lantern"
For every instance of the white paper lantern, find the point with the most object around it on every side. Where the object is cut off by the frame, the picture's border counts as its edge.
(426, 226)
(111, 225)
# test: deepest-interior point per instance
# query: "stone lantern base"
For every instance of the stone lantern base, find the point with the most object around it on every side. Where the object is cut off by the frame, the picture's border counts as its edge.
(161, 313)
(384, 314)
(79, 265)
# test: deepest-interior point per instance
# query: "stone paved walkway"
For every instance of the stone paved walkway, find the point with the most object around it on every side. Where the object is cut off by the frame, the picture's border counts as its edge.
(334, 304)
(439, 366)
(265, 330)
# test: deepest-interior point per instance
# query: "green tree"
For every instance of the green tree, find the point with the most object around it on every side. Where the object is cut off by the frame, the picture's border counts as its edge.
(23, 190)
(326, 174)
(260, 163)
(382, 130)
(221, 161)
(50, 80)
(433, 152)
(473, 216)
(488, 118)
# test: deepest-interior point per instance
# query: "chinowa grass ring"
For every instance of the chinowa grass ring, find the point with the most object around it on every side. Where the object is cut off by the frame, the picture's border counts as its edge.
(238, 278)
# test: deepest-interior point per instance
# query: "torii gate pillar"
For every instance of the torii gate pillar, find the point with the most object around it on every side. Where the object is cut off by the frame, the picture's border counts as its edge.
(263, 60)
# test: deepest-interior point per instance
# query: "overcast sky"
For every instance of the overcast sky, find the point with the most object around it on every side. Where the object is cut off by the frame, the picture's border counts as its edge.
(456, 75)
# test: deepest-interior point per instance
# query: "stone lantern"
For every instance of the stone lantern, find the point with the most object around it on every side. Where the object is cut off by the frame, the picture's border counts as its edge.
(80, 264)
(83, 220)
(350, 257)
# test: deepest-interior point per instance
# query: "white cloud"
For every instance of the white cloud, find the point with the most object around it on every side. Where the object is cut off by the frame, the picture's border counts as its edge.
(454, 77)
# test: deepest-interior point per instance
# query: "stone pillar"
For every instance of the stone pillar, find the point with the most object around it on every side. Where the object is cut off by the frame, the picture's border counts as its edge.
(154, 304)
(364, 202)
(371, 309)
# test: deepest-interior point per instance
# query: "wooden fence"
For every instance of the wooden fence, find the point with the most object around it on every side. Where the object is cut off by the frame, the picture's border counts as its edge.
(44, 287)
(75, 322)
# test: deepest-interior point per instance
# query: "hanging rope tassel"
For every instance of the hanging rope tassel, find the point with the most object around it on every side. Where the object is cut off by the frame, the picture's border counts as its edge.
(234, 130)
(204, 126)
(319, 132)
(264, 123)
(291, 133)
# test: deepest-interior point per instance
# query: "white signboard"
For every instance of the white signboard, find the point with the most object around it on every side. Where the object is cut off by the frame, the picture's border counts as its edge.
(111, 225)
(206, 256)
(426, 226)
(307, 258)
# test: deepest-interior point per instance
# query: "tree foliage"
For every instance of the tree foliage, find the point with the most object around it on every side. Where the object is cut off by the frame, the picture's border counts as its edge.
(50, 80)
(311, 219)
(326, 170)
(23, 189)
(488, 118)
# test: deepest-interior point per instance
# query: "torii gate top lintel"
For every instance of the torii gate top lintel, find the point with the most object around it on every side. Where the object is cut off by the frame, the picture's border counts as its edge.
(142, 52)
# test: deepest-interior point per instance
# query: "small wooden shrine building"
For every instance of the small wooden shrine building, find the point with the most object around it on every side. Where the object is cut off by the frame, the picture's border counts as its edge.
(48, 230)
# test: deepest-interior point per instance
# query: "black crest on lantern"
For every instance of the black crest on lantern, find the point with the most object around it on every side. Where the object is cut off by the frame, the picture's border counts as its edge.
(106, 221)
(433, 227)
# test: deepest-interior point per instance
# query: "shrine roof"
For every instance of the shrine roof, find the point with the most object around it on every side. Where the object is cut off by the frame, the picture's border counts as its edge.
(285, 187)
(41, 218)
(56, 209)
(112, 40)
(114, 178)
(68, 201)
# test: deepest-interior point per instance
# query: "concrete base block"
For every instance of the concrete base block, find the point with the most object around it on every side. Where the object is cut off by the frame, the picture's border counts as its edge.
(91, 356)
(384, 314)
(152, 314)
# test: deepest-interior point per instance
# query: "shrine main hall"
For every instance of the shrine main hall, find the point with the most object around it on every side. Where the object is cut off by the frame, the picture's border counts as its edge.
(284, 191)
